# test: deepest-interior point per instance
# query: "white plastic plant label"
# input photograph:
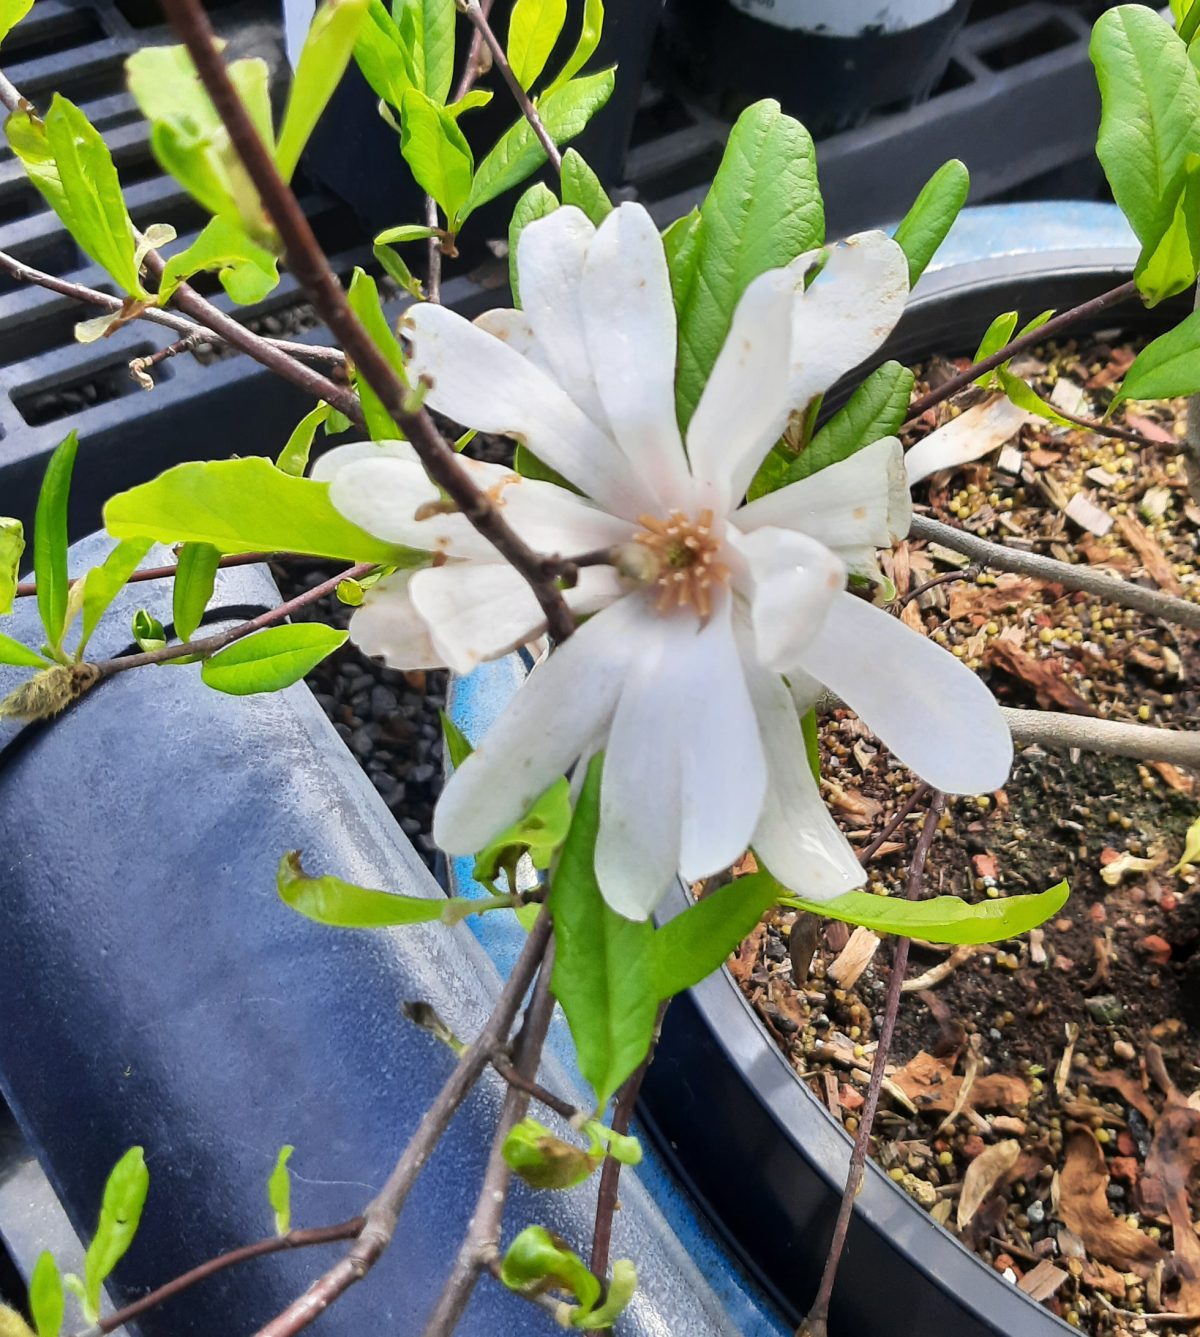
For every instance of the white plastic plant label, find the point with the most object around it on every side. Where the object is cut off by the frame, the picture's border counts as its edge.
(845, 18)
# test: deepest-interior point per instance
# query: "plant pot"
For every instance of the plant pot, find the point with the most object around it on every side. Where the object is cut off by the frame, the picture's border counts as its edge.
(155, 991)
(827, 62)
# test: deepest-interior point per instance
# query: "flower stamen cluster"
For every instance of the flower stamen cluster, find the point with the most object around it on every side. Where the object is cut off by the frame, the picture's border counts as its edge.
(686, 554)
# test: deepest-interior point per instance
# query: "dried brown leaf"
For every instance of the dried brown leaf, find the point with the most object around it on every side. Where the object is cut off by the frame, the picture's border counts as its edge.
(1084, 1208)
(983, 1175)
(1044, 676)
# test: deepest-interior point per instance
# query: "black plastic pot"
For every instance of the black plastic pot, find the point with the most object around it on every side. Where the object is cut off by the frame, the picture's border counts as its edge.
(828, 62)
(154, 990)
(721, 1101)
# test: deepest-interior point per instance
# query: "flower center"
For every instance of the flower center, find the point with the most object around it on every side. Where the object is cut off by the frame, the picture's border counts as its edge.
(686, 560)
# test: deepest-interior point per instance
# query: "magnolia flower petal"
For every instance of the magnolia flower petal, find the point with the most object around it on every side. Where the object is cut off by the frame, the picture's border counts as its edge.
(629, 320)
(929, 710)
(479, 381)
(860, 501)
(795, 838)
(387, 625)
(745, 405)
(637, 845)
(973, 434)
(794, 581)
(512, 327)
(550, 260)
(724, 767)
(476, 611)
(850, 309)
(564, 704)
(333, 461)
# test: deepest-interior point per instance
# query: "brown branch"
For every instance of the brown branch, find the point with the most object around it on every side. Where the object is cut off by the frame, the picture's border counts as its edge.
(433, 252)
(477, 63)
(27, 588)
(817, 1321)
(504, 1065)
(894, 825)
(1110, 429)
(945, 578)
(1085, 311)
(308, 263)
(383, 1213)
(482, 1244)
(294, 1239)
(474, 11)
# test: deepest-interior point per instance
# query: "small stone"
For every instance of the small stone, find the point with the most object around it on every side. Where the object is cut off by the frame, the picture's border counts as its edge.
(361, 743)
(1036, 1211)
(1123, 1050)
(383, 701)
(1105, 1008)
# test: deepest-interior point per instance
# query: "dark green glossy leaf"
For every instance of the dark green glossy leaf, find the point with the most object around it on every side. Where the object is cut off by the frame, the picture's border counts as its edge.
(272, 659)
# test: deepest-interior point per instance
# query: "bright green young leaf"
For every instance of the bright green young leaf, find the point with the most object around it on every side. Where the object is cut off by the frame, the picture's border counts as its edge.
(620, 1146)
(536, 1260)
(395, 268)
(147, 631)
(1189, 26)
(195, 576)
(543, 1160)
(272, 659)
(943, 918)
(1168, 366)
(470, 101)
(564, 112)
(120, 1214)
(437, 151)
(427, 32)
(924, 227)
(812, 742)
(293, 458)
(997, 334)
(540, 832)
(1150, 117)
(12, 545)
(1179, 10)
(47, 1303)
(383, 57)
(1191, 849)
(458, 746)
(621, 1289)
(405, 232)
(364, 301)
(279, 1190)
(248, 272)
(581, 187)
(1024, 396)
(681, 242)
(585, 47)
(533, 29)
(50, 540)
(11, 13)
(696, 942)
(762, 211)
(1170, 267)
(604, 974)
(244, 505)
(103, 583)
(537, 202)
(13, 652)
(323, 59)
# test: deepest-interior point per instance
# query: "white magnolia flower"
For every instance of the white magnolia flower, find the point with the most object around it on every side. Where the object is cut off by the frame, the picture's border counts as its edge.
(691, 677)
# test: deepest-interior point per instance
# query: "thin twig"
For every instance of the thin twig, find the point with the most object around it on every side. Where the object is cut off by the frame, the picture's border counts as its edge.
(946, 576)
(383, 1213)
(294, 1239)
(503, 1064)
(28, 588)
(433, 251)
(1084, 311)
(309, 264)
(816, 1324)
(477, 64)
(1070, 576)
(139, 367)
(1113, 738)
(474, 11)
(482, 1242)
(891, 827)
(1110, 429)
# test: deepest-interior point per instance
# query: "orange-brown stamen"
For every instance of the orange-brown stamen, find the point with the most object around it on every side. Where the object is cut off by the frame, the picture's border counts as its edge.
(687, 555)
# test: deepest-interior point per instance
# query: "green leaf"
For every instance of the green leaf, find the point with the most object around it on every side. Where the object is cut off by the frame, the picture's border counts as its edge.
(324, 56)
(330, 900)
(875, 410)
(537, 202)
(437, 151)
(540, 832)
(147, 631)
(585, 47)
(293, 458)
(944, 918)
(621, 1289)
(812, 742)
(395, 268)
(542, 1160)
(1189, 26)
(537, 1260)
(364, 300)
(564, 112)
(1025, 397)
(696, 942)
(103, 583)
(50, 541)
(47, 1303)
(195, 576)
(1191, 849)
(620, 1146)
(427, 33)
(120, 1214)
(581, 187)
(1171, 266)
(247, 271)
(272, 659)
(12, 545)
(244, 505)
(279, 1190)
(11, 13)
(1150, 118)
(997, 334)
(405, 232)
(383, 57)
(13, 652)
(458, 746)
(527, 464)
(604, 966)
(924, 227)
(470, 100)
(762, 211)
(681, 241)
(1168, 366)
(533, 29)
